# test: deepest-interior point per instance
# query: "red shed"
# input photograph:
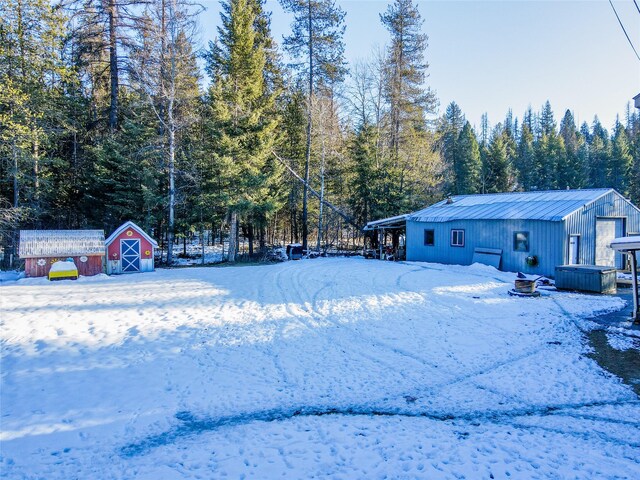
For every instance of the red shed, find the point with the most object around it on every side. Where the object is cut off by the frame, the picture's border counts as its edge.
(42, 248)
(130, 250)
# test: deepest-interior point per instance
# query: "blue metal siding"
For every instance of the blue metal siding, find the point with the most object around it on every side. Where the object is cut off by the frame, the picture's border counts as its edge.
(583, 222)
(548, 240)
(545, 242)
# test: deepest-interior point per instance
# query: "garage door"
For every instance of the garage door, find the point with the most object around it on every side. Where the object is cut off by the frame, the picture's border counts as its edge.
(606, 230)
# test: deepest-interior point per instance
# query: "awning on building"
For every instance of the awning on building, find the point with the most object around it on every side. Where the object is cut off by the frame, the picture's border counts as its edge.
(630, 245)
(391, 223)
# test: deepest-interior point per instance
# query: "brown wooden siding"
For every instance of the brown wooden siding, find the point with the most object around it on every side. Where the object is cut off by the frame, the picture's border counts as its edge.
(93, 266)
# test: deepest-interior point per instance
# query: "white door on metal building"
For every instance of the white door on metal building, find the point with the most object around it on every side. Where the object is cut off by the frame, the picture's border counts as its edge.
(574, 246)
(606, 230)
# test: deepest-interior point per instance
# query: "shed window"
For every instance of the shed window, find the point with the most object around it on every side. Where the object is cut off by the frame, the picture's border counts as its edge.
(457, 238)
(429, 238)
(521, 241)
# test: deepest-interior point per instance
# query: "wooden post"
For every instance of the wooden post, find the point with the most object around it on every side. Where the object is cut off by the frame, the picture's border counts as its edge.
(634, 281)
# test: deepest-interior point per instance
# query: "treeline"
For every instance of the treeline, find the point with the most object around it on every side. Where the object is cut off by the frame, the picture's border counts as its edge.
(537, 154)
(110, 111)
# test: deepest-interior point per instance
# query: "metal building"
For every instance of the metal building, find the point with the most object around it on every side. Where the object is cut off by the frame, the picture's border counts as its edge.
(532, 232)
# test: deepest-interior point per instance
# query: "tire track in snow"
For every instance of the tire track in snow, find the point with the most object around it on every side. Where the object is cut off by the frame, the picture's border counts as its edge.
(374, 341)
(311, 303)
(485, 370)
(419, 388)
(189, 425)
(443, 303)
(309, 314)
(276, 355)
(311, 318)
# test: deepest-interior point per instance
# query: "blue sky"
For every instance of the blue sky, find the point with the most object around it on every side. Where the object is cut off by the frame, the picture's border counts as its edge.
(488, 56)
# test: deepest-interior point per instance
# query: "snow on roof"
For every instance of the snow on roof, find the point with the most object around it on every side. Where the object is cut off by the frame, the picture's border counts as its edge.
(387, 222)
(55, 243)
(625, 244)
(552, 205)
(126, 225)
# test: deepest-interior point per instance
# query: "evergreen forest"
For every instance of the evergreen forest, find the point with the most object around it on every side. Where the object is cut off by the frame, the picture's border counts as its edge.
(112, 110)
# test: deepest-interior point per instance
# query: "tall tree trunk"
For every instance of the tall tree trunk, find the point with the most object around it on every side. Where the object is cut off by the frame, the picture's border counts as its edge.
(172, 191)
(113, 65)
(163, 46)
(250, 235)
(233, 234)
(36, 174)
(202, 235)
(307, 159)
(321, 195)
(16, 184)
(262, 239)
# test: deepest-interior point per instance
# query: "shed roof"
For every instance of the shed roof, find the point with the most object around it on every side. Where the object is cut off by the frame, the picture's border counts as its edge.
(626, 244)
(554, 205)
(398, 221)
(58, 243)
(126, 225)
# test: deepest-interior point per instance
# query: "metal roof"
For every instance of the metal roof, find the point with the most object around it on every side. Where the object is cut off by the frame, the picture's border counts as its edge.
(626, 244)
(552, 205)
(392, 222)
(60, 243)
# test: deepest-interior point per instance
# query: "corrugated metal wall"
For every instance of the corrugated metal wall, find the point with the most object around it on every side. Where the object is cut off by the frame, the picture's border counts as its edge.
(543, 236)
(549, 241)
(583, 223)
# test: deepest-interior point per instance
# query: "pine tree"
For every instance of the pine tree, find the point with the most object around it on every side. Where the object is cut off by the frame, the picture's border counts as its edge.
(484, 130)
(549, 151)
(32, 75)
(469, 164)
(126, 177)
(365, 178)
(408, 99)
(621, 163)
(291, 146)
(316, 44)
(164, 72)
(525, 158)
(497, 168)
(242, 124)
(633, 132)
(449, 129)
(547, 123)
(599, 155)
(103, 33)
(412, 169)
(572, 170)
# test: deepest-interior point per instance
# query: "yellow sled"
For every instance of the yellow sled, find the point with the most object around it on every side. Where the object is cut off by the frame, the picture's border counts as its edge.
(63, 271)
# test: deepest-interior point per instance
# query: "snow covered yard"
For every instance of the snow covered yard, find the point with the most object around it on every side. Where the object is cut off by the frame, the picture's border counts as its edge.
(327, 368)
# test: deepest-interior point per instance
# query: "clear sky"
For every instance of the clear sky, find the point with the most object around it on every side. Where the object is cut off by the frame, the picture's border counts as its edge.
(488, 56)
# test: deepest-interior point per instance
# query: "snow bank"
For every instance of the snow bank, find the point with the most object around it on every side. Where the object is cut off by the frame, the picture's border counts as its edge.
(10, 275)
(332, 368)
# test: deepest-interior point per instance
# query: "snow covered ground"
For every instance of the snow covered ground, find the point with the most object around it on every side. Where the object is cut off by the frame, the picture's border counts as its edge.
(212, 254)
(326, 368)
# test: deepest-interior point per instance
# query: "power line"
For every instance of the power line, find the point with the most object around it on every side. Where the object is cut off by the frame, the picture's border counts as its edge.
(636, 4)
(623, 29)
